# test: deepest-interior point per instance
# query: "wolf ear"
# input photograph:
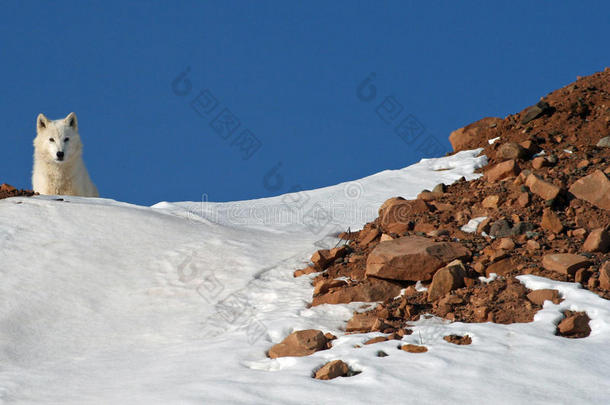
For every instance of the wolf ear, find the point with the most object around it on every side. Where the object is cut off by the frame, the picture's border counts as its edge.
(41, 122)
(72, 121)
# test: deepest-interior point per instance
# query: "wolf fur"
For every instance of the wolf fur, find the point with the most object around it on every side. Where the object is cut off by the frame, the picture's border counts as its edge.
(58, 159)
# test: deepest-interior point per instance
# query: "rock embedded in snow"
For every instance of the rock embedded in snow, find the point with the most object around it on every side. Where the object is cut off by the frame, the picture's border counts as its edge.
(363, 322)
(366, 291)
(446, 280)
(333, 369)
(564, 263)
(574, 325)
(325, 257)
(458, 339)
(411, 348)
(300, 343)
(539, 296)
(412, 258)
(594, 188)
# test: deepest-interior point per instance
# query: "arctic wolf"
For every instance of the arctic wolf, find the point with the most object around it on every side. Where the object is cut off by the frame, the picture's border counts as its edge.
(58, 160)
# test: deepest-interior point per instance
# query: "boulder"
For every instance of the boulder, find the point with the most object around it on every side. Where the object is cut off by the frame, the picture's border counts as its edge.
(366, 291)
(604, 276)
(474, 135)
(575, 325)
(597, 241)
(412, 258)
(551, 221)
(446, 279)
(300, 343)
(531, 113)
(564, 263)
(503, 170)
(594, 188)
(332, 370)
(539, 296)
(543, 189)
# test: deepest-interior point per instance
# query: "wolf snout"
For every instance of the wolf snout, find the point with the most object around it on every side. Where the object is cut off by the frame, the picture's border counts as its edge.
(60, 155)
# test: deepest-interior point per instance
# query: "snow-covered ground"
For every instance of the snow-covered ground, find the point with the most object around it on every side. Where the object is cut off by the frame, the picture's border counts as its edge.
(103, 302)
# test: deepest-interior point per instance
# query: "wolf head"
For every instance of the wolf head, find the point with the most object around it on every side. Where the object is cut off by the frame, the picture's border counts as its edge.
(57, 140)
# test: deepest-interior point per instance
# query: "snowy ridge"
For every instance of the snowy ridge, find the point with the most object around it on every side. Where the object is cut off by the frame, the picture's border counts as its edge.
(107, 302)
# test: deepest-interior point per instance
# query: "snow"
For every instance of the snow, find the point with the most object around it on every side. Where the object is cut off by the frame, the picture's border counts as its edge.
(493, 140)
(473, 224)
(107, 302)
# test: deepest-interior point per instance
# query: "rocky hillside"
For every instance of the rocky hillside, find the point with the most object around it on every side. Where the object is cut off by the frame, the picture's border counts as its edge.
(542, 207)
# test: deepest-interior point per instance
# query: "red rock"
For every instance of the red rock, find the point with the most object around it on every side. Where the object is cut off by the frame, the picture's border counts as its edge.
(575, 325)
(511, 150)
(532, 245)
(539, 296)
(604, 276)
(306, 270)
(299, 343)
(597, 241)
(369, 236)
(366, 291)
(543, 189)
(325, 257)
(385, 237)
(7, 188)
(506, 244)
(594, 188)
(484, 226)
(412, 258)
(324, 285)
(503, 170)
(377, 339)
(551, 221)
(458, 340)
(398, 228)
(474, 135)
(399, 210)
(446, 279)
(538, 162)
(363, 322)
(564, 263)
(332, 370)
(523, 200)
(581, 276)
(501, 267)
(414, 348)
(491, 202)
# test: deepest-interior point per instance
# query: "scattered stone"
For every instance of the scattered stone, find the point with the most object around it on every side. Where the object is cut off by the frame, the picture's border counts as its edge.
(506, 244)
(597, 241)
(539, 296)
(446, 279)
(543, 189)
(604, 142)
(574, 325)
(325, 285)
(414, 348)
(369, 236)
(366, 291)
(299, 343)
(604, 276)
(491, 202)
(412, 258)
(473, 135)
(333, 369)
(511, 150)
(377, 339)
(306, 270)
(539, 162)
(503, 170)
(531, 113)
(564, 263)
(501, 267)
(594, 188)
(363, 322)
(458, 340)
(551, 221)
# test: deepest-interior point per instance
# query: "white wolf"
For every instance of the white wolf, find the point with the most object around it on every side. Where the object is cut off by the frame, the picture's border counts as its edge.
(58, 159)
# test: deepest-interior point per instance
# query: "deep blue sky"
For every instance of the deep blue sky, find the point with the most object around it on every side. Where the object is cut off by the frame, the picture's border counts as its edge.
(287, 70)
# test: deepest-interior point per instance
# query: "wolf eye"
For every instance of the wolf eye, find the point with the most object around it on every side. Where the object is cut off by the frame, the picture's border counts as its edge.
(66, 140)
(51, 140)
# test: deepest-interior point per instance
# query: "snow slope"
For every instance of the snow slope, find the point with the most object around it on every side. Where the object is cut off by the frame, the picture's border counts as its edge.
(105, 302)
